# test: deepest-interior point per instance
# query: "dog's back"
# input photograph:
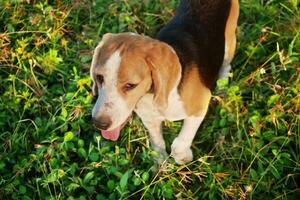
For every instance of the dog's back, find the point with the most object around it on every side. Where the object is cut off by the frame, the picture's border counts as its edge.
(197, 35)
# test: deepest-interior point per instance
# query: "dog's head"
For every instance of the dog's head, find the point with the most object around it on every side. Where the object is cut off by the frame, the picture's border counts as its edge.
(125, 67)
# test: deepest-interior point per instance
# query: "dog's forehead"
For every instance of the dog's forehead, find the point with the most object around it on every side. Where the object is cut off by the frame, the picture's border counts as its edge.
(103, 53)
(112, 64)
(125, 43)
(122, 51)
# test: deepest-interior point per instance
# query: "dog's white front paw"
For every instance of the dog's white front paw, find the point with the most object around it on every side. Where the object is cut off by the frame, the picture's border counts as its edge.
(181, 152)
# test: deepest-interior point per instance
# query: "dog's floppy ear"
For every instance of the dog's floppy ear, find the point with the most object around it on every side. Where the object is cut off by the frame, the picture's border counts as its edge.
(96, 55)
(165, 71)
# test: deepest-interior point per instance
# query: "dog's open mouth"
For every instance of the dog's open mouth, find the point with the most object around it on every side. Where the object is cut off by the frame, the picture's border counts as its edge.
(114, 134)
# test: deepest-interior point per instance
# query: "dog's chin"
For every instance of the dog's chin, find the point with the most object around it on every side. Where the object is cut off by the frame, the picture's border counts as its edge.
(113, 134)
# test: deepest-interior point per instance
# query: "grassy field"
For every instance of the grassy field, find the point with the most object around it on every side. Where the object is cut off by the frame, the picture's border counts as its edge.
(247, 148)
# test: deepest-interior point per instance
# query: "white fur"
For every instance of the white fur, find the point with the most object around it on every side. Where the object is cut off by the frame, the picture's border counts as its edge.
(181, 147)
(226, 54)
(152, 120)
(224, 71)
(110, 102)
(175, 110)
(226, 67)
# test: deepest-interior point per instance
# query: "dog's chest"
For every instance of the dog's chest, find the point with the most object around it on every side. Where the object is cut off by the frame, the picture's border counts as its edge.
(175, 110)
(146, 108)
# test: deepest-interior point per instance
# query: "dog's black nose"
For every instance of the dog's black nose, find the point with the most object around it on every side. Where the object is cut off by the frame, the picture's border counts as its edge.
(103, 122)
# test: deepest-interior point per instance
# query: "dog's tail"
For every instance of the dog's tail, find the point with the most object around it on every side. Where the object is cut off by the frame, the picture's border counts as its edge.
(230, 31)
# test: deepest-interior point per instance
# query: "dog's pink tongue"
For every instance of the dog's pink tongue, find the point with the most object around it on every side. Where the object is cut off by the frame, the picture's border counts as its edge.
(112, 135)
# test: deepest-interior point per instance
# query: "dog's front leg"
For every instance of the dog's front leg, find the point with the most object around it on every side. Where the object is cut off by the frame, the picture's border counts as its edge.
(155, 133)
(152, 120)
(181, 147)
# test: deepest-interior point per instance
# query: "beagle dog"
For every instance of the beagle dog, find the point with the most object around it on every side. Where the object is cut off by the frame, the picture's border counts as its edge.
(169, 77)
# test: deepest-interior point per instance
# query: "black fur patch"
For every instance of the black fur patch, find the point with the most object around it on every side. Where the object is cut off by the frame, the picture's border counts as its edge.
(197, 34)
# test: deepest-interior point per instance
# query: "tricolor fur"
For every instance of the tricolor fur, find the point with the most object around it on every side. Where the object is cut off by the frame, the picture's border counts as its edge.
(166, 78)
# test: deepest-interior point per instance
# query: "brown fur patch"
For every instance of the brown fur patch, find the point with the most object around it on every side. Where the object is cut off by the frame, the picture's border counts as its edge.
(194, 93)
(165, 68)
(230, 31)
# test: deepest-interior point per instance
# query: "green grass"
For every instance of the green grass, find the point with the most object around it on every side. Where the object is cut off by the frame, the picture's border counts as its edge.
(247, 148)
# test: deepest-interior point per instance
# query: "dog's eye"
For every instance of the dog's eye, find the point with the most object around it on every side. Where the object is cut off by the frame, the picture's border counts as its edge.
(100, 78)
(129, 86)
